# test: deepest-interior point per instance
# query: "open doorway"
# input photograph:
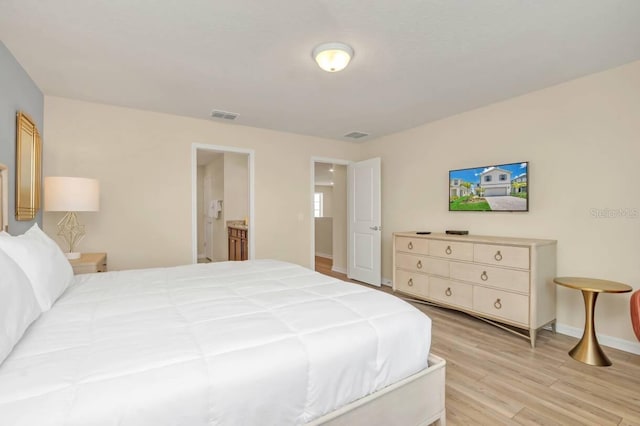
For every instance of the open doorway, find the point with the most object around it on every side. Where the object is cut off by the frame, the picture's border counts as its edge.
(222, 204)
(329, 210)
(356, 219)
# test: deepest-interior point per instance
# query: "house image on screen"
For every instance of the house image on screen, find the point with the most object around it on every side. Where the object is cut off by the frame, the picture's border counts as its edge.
(458, 188)
(519, 184)
(495, 182)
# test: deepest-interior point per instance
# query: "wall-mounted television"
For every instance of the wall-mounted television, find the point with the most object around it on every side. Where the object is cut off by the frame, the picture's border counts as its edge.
(501, 188)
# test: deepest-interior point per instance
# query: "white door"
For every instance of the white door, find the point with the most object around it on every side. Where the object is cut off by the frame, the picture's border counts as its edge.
(364, 222)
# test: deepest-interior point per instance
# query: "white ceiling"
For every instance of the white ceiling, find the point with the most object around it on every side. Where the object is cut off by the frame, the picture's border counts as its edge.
(415, 60)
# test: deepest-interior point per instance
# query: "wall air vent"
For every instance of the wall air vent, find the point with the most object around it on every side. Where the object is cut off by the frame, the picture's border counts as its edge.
(356, 135)
(224, 115)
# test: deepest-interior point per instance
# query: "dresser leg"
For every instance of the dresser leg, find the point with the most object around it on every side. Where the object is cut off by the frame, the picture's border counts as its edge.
(532, 337)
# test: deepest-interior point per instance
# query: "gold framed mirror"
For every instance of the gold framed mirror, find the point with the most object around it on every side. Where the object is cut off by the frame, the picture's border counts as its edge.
(28, 167)
(4, 198)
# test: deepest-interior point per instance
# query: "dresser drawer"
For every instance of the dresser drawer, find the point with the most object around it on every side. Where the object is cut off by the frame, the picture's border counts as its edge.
(501, 304)
(409, 282)
(89, 269)
(451, 292)
(496, 277)
(422, 264)
(412, 245)
(451, 250)
(515, 257)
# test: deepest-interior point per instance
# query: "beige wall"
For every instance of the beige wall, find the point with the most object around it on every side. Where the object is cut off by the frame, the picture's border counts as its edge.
(143, 162)
(327, 199)
(582, 139)
(236, 186)
(324, 236)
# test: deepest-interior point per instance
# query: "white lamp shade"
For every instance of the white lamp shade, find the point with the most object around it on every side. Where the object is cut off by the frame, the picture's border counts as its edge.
(71, 194)
(333, 57)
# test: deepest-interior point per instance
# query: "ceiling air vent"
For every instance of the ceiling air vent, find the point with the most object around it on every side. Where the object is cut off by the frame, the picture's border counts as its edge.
(225, 115)
(356, 135)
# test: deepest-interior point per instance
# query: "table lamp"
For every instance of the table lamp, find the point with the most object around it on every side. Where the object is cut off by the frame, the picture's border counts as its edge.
(71, 195)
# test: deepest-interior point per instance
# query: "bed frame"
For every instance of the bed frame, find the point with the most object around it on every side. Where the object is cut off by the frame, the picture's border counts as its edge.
(417, 400)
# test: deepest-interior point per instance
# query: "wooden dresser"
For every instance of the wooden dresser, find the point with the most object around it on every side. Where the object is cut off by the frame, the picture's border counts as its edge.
(504, 281)
(238, 242)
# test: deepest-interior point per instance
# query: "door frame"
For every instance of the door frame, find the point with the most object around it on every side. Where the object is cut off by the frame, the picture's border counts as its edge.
(314, 160)
(194, 193)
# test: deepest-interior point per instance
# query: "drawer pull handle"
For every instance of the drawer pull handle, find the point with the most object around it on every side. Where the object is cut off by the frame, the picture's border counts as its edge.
(410, 245)
(497, 304)
(448, 291)
(498, 256)
(448, 250)
(484, 276)
(419, 264)
(410, 282)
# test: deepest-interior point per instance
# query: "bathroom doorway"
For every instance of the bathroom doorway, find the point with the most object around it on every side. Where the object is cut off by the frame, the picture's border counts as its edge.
(222, 199)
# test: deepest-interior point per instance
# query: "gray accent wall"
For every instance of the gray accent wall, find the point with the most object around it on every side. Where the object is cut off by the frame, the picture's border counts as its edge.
(17, 93)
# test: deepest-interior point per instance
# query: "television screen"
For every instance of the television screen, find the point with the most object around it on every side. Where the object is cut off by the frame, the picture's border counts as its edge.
(499, 188)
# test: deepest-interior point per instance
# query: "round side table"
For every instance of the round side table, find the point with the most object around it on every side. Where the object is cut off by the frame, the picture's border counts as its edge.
(588, 349)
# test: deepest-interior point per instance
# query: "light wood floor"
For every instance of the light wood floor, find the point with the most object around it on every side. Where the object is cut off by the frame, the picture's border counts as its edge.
(495, 378)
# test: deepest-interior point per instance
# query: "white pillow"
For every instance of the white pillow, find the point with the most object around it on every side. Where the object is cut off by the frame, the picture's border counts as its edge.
(42, 261)
(18, 305)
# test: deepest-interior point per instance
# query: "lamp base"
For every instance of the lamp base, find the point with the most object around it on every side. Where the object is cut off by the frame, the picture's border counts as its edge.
(72, 232)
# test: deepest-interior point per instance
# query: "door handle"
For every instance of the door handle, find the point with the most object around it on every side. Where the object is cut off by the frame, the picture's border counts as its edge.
(376, 228)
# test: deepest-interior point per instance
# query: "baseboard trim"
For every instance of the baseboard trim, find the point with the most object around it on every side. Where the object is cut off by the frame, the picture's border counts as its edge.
(202, 256)
(324, 255)
(387, 282)
(339, 270)
(610, 341)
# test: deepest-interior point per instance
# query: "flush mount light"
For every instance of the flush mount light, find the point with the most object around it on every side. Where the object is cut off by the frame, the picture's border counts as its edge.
(332, 57)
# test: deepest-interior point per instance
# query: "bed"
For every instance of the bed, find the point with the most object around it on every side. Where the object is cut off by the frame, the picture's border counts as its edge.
(234, 343)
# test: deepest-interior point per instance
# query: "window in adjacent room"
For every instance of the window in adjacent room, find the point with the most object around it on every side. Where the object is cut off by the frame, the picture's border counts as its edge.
(317, 204)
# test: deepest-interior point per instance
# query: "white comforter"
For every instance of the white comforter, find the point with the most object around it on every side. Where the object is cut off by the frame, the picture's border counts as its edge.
(236, 343)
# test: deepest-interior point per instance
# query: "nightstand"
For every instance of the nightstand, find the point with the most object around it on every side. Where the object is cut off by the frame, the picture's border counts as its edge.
(89, 263)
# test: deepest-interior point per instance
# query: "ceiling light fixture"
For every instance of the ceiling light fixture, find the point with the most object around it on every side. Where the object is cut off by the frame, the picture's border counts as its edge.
(333, 57)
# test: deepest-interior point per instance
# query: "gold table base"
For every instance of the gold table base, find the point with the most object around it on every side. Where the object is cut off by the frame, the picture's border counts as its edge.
(588, 349)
